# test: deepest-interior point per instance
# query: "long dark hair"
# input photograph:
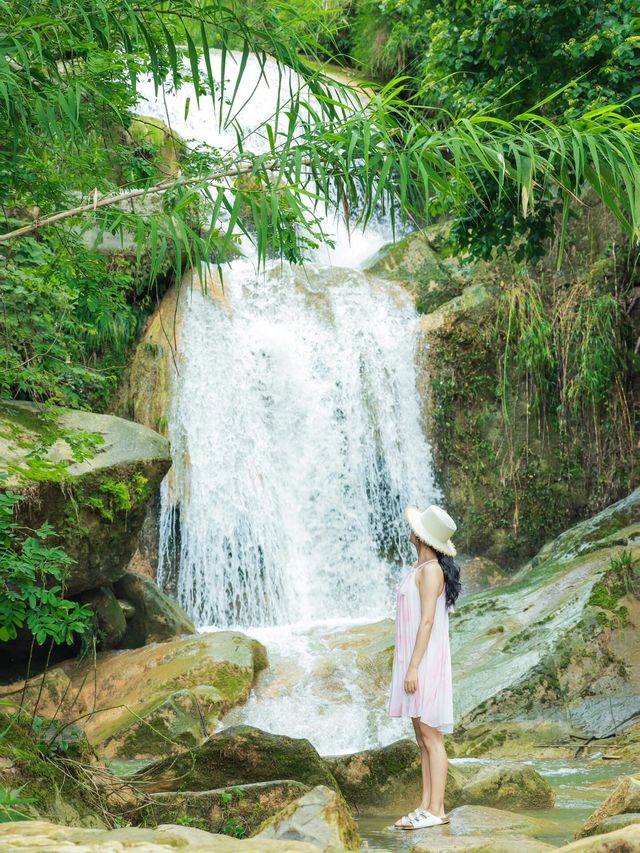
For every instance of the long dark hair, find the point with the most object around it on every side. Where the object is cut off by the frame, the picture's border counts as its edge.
(451, 571)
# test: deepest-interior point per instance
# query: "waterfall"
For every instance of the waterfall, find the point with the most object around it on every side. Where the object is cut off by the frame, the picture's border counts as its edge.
(297, 441)
(296, 435)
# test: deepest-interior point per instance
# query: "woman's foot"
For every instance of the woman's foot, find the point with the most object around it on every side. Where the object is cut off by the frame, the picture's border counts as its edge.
(408, 821)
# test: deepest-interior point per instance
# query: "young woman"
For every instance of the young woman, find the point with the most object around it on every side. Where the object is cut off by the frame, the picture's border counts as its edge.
(421, 679)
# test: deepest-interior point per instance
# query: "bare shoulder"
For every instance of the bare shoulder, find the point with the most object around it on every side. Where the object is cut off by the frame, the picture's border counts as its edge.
(430, 576)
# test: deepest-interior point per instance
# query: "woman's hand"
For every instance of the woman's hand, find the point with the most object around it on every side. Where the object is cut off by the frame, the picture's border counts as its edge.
(411, 680)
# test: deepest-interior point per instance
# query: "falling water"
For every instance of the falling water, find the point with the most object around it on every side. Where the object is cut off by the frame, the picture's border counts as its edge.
(296, 436)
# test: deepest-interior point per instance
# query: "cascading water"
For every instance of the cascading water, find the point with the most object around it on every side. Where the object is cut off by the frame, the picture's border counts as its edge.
(296, 438)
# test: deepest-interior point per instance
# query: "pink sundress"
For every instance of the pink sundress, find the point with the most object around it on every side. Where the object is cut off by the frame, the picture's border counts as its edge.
(433, 700)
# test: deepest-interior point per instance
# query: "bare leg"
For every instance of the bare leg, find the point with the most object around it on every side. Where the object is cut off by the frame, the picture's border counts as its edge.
(434, 744)
(424, 759)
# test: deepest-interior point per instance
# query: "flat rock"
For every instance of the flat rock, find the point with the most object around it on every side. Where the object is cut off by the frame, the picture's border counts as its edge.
(467, 820)
(481, 844)
(38, 835)
(320, 817)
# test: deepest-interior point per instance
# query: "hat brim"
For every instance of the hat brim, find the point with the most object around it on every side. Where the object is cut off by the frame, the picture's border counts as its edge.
(412, 515)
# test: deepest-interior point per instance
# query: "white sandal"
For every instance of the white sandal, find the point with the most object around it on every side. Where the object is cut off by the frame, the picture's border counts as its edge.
(419, 819)
(410, 820)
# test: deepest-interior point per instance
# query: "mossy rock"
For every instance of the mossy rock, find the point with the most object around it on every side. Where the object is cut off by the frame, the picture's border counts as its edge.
(241, 807)
(237, 756)
(509, 788)
(96, 504)
(320, 817)
(165, 146)
(153, 701)
(156, 617)
(52, 792)
(626, 840)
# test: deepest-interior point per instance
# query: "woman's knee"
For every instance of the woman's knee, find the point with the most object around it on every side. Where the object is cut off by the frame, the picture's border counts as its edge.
(430, 737)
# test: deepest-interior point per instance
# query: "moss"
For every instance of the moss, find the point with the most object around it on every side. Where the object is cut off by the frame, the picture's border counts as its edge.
(54, 792)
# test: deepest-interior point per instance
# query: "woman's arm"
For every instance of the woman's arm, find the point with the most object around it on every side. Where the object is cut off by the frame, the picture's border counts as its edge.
(429, 579)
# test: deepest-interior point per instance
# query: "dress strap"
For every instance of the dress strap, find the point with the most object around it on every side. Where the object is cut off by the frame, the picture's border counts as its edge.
(426, 563)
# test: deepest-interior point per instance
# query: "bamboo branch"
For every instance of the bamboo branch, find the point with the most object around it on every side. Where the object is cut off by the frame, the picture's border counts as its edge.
(242, 168)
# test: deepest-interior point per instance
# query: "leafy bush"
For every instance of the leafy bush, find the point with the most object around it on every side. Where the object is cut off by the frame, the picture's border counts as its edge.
(32, 577)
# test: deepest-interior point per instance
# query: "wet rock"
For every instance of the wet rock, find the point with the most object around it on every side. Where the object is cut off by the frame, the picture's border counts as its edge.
(35, 836)
(156, 617)
(625, 799)
(156, 700)
(96, 504)
(466, 820)
(110, 617)
(320, 817)
(389, 777)
(510, 787)
(237, 756)
(243, 806)
(625, 840)
(481, 844)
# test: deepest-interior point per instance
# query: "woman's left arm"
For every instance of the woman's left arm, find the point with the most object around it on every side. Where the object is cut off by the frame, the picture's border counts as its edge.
(428, 582)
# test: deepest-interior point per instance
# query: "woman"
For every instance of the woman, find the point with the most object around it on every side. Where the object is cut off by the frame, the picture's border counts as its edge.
(421, 679)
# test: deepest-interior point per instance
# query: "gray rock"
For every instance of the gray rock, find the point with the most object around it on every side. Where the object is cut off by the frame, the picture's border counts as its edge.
(111, 620)
(320, 817)
(156, 617)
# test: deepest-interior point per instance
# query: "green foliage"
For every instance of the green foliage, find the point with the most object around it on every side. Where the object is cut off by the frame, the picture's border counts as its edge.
(558, 58)
(11, 801)
(67, 322)
(622, 578)
(324, 142)
(32, 576)
(119, 496)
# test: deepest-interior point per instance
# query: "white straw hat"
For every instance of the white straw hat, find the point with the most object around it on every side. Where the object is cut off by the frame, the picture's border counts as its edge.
(434, 527)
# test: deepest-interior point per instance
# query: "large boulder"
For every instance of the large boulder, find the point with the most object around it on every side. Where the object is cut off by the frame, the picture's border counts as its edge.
(237, 756)
(42, 837)
(624, 800)
(560, 635)
(96, 474)
(320, 817)
(152, 701)
(155, 617)
(241, 807)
